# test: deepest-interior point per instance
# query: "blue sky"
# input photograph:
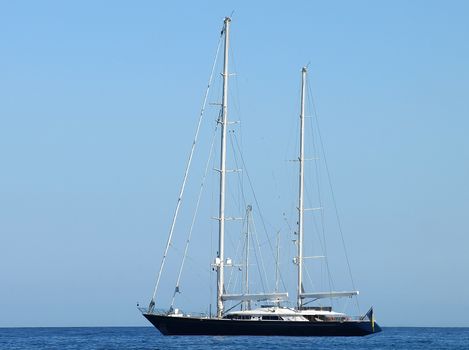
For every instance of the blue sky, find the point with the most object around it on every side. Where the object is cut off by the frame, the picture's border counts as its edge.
(99, 102)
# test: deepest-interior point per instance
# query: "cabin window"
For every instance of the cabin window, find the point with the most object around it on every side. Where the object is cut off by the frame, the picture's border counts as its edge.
(270, 317)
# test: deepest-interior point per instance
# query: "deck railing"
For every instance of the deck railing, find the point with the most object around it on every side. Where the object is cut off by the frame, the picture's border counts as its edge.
(180, 313)
(174, 312)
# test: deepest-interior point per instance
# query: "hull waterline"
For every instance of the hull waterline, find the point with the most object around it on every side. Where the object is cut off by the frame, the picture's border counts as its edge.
(170, 325)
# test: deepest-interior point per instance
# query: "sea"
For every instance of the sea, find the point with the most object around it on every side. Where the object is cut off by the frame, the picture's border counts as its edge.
(109, 338)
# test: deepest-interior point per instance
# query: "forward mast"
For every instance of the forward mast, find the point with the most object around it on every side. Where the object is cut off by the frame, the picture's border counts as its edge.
(222, 170)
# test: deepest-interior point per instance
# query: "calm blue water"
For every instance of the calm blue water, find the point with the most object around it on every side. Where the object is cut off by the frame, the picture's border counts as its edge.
(149, 338)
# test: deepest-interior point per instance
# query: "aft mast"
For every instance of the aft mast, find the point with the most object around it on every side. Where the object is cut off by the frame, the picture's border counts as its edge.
(221, 217)
(247, 303)
(301, 190)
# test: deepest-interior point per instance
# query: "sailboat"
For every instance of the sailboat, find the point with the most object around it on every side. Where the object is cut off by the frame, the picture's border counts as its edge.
(272, 319)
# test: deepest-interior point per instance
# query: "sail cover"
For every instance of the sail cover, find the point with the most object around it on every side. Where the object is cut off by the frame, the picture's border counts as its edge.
(257, 297)
(322, 295)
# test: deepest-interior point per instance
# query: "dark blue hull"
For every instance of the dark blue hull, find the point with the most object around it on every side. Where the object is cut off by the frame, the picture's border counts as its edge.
(169, 325)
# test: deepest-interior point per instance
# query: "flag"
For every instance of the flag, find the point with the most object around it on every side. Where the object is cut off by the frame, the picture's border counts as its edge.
(371, 317)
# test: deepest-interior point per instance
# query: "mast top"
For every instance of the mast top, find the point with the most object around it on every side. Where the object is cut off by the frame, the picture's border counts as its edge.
(226, 22)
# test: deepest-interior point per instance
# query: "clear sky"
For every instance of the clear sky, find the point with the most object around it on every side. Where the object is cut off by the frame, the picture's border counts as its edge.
(98, 105)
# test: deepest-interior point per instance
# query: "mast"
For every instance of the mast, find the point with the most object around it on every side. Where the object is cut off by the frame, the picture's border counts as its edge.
(222, 170)
(247, 303)
(277, 263)
(301, 190)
